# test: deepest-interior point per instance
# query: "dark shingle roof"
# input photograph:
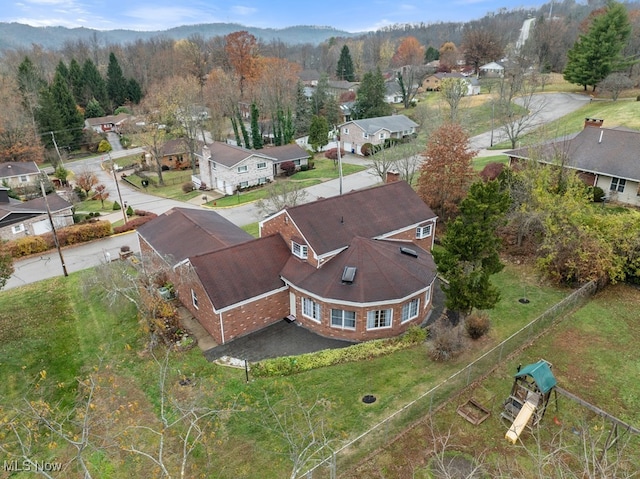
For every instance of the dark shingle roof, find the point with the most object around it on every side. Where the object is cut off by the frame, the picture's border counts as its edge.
(243, 271)
(383, 272)
(611, 152)
(230, 155)
(16, 168)
(183, 232)
(331, 223)
(289, 152)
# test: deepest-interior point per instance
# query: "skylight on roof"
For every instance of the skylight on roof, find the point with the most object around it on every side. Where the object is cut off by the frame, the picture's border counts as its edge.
(409, 252)
(349, 274)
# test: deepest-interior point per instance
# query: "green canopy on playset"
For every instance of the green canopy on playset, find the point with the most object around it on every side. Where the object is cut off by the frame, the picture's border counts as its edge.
(541, 374)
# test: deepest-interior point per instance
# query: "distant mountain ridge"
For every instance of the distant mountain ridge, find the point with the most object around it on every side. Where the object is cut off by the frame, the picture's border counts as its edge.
(18, 35)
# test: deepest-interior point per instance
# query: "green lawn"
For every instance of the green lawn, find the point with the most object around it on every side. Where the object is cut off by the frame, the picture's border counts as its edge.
(326, 169)
(480, 162)
(76, 334)
(256, 194)
(173, 185)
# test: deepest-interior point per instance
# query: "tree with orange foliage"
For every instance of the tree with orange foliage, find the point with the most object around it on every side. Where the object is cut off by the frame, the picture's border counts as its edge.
(448, 56)
(446, 173)
(241, 49)
(409, 52)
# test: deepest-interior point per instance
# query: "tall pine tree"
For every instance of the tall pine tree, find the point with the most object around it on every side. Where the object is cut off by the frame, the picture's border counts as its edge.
(303, 112)
(370, 97)
(117, 86)
(256, 134)
(599, 52)
(344, 70)
(94, 85)
(71, 119)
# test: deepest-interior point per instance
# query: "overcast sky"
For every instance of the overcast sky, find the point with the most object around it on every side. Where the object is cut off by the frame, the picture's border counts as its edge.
(352, 16)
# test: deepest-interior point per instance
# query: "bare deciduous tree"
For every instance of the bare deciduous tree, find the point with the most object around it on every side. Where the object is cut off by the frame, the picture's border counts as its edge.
(281, 194)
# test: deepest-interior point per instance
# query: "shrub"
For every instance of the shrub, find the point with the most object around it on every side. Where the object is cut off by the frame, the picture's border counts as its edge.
(104, 146)
(311, 164)
(598, 194)
(367, 149)
(26, 246)
(332, 153)
(116, 206)
(187, 187)
(144, 213)
(165, 168)
(358, 352)
(289, 167)
(133, 224)
(130, 211)
(491, 171)
(448, 342)
(304, 167)
(80, 193)
(477, 324)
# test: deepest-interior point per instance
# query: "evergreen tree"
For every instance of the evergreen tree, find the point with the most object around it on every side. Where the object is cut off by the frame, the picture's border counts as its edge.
(344, 70)
(331, 111)
(94, 85)
(318, 132)
(303, 112)
(599, 52)
(62, 69)
(320, 95)
(116, 82)
(48, 119)
(134, 91)
(256, 135)
(71, 119)
(469, 253)
(93, 109)
(30, 84)
(283, 131)
(370, 98)
(431, 54)
(243, 129)
(76, 83)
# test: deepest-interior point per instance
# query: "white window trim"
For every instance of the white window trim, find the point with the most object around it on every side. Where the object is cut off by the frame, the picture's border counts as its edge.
(243, 169)
(213, 165)
(303, 250)
(316, 313)
(17, 228)
(244, 184)
(345, 131)
(365, 135)
(194, 299)
(342, 317)
(616, 183)
(427, 295)
(423, 232)
(24, 179)
(264, 165)
(373, 328)
(407, 307)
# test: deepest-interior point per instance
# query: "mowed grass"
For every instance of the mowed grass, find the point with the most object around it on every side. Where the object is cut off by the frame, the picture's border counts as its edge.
(60, 327)
(594, 356)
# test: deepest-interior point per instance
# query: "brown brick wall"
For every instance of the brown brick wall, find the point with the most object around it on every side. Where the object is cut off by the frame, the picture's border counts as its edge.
(282, 224)
(410, 235)
(256, 315)
(361, 333)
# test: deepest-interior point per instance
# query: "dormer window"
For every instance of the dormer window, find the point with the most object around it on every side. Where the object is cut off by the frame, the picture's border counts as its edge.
(300, 250)
(423, 231)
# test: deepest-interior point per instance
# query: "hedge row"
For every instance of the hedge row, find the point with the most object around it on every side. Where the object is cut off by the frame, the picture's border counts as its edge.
(287, 365)
(134, 223)
(66, 236)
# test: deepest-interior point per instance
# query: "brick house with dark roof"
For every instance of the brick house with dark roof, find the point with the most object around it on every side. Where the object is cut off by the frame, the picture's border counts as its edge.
(354, 267)
(604, 157)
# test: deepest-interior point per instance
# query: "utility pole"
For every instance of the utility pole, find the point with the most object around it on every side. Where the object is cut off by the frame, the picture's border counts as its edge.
(115, 178)
(53, 229)
(339, 162)
(53, 137)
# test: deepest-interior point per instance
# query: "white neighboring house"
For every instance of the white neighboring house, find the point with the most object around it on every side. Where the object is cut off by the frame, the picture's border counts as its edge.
(16, 174)
(355, 133)
(491, 69)
(227, 168)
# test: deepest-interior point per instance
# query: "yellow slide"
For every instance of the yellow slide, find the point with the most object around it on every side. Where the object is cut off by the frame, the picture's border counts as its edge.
(523, 417)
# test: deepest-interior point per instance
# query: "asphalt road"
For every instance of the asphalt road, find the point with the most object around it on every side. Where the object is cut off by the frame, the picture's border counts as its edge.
(552, 106)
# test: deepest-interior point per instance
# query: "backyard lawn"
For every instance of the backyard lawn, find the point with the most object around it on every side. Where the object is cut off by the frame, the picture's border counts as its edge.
(45, 351)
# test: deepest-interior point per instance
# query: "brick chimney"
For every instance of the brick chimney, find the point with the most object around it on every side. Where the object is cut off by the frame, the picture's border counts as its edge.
(593, 122)
(392, 176)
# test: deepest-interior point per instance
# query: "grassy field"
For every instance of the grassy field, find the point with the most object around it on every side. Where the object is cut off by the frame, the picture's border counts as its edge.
(46, 350)
(594, 356)
(254, 195)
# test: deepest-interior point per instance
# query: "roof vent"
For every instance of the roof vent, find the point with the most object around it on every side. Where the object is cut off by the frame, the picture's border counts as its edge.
(349, 274)
(409, 252)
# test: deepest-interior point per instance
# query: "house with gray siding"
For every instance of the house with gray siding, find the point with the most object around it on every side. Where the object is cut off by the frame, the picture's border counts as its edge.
(355, 133)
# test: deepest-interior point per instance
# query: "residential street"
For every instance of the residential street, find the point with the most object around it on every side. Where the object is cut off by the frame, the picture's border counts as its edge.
(554, 106)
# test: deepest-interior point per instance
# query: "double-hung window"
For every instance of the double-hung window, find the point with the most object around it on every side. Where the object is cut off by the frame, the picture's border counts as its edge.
(17, 228)
(300, 250)
(311, 309)
(410, 310)
(262, 165)
(618, 184)
(343, 319)
(423, 231)
(243, 169)
(379, 318)
(194, 299)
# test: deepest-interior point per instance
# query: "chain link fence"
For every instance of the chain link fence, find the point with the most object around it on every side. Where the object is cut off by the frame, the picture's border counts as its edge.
(348, 455)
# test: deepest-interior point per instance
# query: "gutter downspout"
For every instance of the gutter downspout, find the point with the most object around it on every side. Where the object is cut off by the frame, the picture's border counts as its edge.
(221, 327)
